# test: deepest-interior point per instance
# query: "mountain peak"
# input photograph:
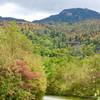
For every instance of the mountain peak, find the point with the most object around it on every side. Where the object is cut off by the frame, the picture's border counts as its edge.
(80, 10)
(72, 15)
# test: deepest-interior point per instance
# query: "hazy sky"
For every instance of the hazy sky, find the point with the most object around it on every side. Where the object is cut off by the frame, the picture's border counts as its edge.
(38, 9)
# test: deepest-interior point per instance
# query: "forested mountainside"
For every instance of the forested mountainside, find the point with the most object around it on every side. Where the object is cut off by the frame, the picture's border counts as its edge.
(71, 16)
(85, 32)
(56, 58)
(11, 19)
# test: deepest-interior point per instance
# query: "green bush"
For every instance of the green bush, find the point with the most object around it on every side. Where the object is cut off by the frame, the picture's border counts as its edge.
(21, 73)
(78, 77)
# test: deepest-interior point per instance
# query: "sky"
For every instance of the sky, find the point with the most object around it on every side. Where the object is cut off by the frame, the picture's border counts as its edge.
(38, 9)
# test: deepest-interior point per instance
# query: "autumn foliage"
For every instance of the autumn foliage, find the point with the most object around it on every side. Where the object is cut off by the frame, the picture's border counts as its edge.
(24, 70)
(20, 79)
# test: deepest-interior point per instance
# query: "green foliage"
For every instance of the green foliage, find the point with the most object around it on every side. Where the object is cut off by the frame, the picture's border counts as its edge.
(69, 53)
(73, 77)
(14, 85)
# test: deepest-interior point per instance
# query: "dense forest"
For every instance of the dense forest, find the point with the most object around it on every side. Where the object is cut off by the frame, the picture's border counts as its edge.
(53, 59)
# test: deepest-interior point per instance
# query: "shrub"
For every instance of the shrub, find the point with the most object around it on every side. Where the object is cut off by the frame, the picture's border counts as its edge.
(20, 77)
(79, 77)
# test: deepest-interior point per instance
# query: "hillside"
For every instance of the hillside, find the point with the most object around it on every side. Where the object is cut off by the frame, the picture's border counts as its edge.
(33, 54)
(11, 19)
(63, 34)
(71, 16)
(67, 15)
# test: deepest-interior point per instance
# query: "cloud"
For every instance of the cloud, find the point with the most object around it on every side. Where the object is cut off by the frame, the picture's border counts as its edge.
(8, 8)
(53, 5)
(14, 10)
(38, 9)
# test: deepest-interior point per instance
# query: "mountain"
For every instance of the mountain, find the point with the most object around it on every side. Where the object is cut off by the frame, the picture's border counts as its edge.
(71, 16)
(11, 19)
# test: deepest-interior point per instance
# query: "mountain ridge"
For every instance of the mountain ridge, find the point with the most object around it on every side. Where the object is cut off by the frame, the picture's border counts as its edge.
(12, 19)
(71, 16)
